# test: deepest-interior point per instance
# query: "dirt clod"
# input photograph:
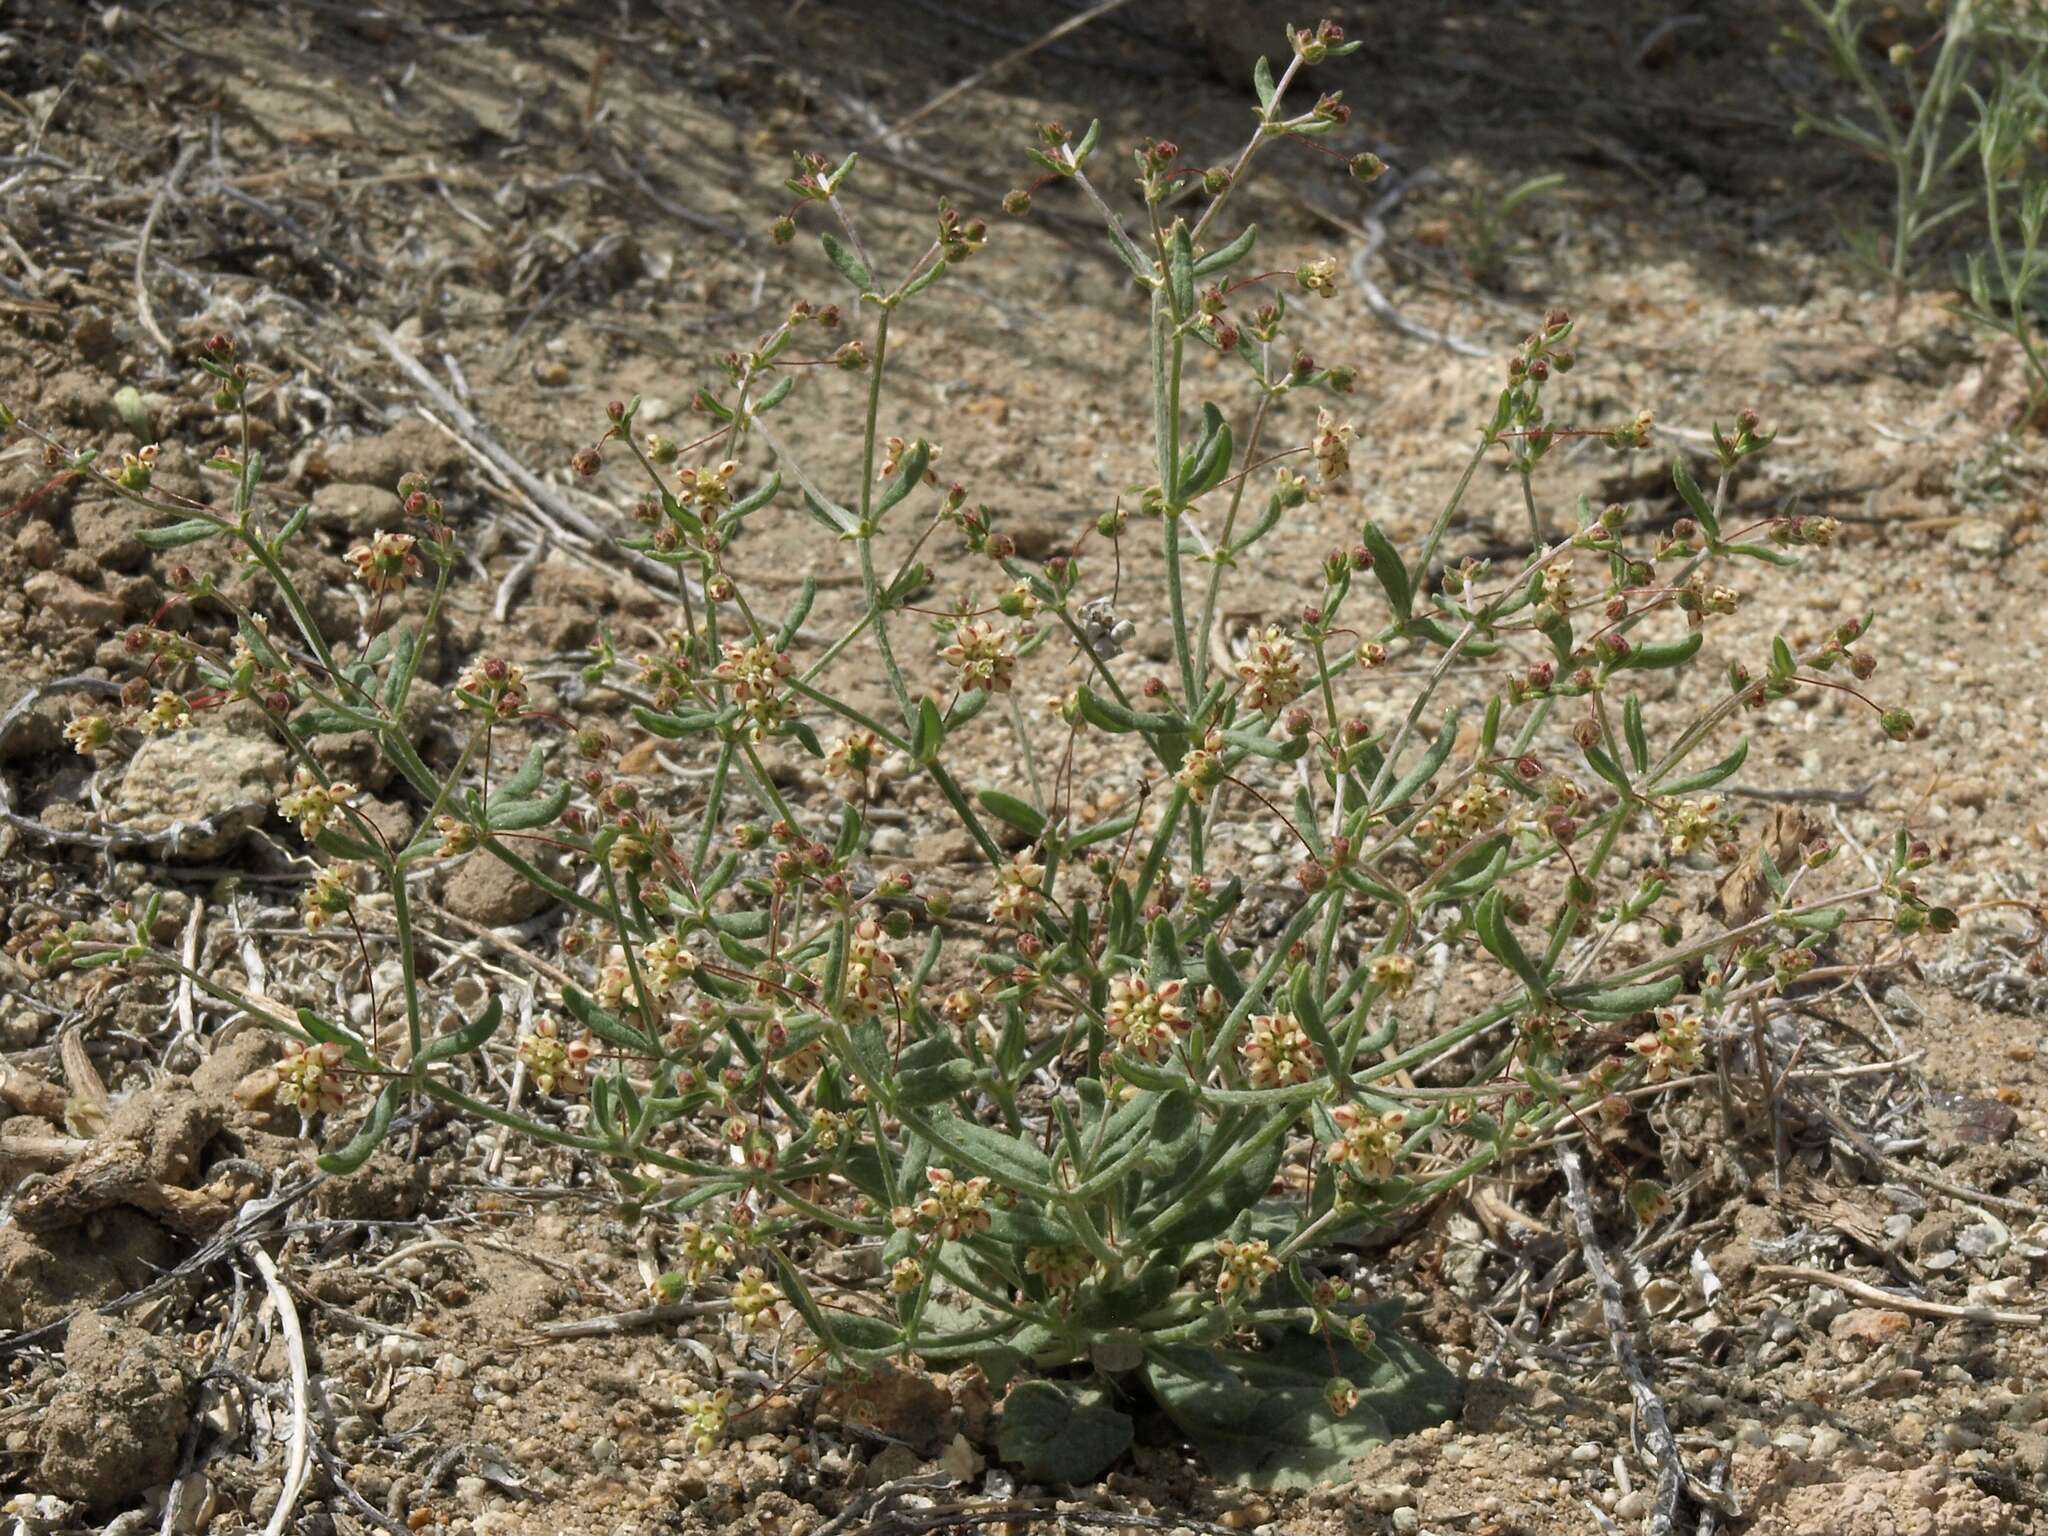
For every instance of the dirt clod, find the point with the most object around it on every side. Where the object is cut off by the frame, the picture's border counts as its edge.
(114, 1429)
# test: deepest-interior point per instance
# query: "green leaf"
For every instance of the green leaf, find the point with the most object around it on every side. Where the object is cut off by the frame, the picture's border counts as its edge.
(1490, 920)
(1122, 1304)
(1656, 657)
(1597, 1002)
(928, 734)
(674, 727)
(525, 815)
(1210, 461)
(1768, 867)
(1405, 787)
(1262, 82)
(1632, 729)
(1163, 960)
(1108, 715)
(965, 708)
(1014, 1161)
(1391, 570)
(1689, 490)
(1214, 1209)
(850, 266)
(525, 781)
(909, 470)
(366, 1140)
(1263, 1420)
(835, 518)
(1707, 778)
(1011, 811)
(777, 393)
(584, 1009)
(460, 1042)
(335, 1034)
(1061, 1432)
(1224, 257)
(1180, 269)
(178, 535)
(1826, 920)
(799, 610)
(1103, 831)
(1607, 768)
(919, 1086)
(1221, 973)
(342, 846)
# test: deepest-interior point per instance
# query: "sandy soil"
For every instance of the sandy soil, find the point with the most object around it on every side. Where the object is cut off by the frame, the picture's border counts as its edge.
(547, 212)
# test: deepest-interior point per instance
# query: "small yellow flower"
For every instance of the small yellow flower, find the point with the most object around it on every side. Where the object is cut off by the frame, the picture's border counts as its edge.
(88, 733)
(1394, 973)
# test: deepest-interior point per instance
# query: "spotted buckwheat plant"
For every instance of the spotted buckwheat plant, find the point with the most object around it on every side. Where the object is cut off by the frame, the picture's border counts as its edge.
(1114, 1105)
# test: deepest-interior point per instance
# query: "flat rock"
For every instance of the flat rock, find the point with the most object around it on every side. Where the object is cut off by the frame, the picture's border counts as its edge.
(1980, 536)
(352, 508)
(104, 532)
(381, 459)
(62, 601)
(488, 891)
(216, 785)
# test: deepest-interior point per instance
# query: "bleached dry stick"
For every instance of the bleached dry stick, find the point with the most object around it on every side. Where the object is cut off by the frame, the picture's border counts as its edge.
(1651, 1418)
(295, 1351)
(1895, 1300)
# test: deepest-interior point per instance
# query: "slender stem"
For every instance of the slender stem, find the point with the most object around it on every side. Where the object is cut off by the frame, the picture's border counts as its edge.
(1220, 556)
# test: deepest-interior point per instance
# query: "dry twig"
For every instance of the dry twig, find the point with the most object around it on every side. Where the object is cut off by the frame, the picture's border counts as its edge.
(1652, 1421)
(1897, 1302)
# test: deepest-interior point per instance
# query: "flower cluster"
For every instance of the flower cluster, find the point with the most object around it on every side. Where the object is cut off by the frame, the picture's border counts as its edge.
(870, 971)
(852, 757)
(755, 673)
(88, 733)
(1059, 1269)
(984, 655)
(1393, 974)
(1020, 891)
(556, 1065)
(1332, 447)
(709, 490)
(386, 563)
(756, 1303)
(169, 712)
(313, 804)
(1142, 1019)
(1477, 806)
(704, 1254)
(1202, 769)
(1368, 1143)
(954, 1208)
(1689, 825)
(1672, 1049)
(1277, 1053)
(331, 894)
(1271, 673)
(493, 686)
(704, 1416)
(1245, 1267)
(309, 1078)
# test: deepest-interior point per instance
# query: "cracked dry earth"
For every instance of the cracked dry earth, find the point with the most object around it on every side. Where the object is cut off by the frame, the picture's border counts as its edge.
(548, 208)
